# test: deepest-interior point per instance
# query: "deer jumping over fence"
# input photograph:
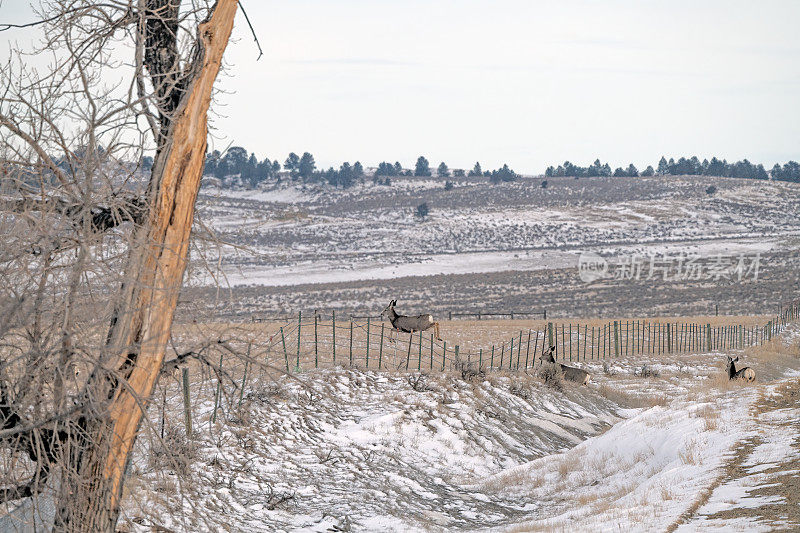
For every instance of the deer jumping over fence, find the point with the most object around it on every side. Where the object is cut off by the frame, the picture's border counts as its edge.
(570, 373)
(410, 324)
(746, 373)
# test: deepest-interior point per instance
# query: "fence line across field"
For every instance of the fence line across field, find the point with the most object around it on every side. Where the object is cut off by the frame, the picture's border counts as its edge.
(312, 342)
(478, 315)
(320, 341)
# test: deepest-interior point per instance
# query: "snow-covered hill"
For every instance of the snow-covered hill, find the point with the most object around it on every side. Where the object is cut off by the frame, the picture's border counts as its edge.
(364, 451)
(510, 246)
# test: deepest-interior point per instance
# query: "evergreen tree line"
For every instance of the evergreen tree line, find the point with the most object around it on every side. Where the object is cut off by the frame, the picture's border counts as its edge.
(251, 171)
(683, 167)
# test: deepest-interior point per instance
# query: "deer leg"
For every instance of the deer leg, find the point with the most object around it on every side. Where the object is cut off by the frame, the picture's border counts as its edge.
(436, 329)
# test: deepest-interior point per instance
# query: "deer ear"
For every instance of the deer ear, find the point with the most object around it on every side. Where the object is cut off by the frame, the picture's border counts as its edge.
(736, 359)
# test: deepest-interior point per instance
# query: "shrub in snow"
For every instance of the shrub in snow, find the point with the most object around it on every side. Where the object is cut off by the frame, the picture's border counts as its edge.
(419, 382)
(646, 372)
(551, 375)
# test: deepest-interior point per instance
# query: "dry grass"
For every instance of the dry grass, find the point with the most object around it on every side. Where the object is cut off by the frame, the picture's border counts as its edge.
(585, 498)
(632, 401)
(690, 455)
(514, 479)
(710, 416)
(772, 349)
(568, 463)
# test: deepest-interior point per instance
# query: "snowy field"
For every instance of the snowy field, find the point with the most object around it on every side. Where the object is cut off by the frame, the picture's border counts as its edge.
(343, 449)
(277, 249)
(291, 237)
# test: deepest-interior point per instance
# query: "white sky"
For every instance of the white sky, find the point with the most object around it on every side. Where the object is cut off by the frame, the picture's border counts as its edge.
(527, 83)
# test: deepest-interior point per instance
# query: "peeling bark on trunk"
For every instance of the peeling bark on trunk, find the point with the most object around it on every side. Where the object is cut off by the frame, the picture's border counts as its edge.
(91, 487)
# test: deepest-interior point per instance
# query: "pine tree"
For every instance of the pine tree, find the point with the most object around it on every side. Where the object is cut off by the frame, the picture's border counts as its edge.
(292, 164)
(306, 166)
(663, 168)
(422, 168)
(443, 171)
(476, 170)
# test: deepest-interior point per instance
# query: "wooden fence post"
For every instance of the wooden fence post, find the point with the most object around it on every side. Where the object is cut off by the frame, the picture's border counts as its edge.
(187, 407)
(669, 338)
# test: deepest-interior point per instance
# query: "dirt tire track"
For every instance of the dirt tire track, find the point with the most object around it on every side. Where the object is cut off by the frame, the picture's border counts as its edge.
(783, 515)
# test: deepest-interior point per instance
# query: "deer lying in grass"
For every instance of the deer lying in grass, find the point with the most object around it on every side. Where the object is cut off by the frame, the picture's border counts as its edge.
(410, 324)
(746, 373)
(572, 374)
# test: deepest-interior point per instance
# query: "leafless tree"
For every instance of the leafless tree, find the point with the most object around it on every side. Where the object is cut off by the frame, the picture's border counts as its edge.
(93, 243)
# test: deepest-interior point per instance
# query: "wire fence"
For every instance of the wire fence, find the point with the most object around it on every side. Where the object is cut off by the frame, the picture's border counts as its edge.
(320, 341)
(323, 341)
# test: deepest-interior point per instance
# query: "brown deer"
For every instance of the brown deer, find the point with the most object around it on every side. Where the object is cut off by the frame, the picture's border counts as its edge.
(746, 373)
(577, 375)
(410, 324)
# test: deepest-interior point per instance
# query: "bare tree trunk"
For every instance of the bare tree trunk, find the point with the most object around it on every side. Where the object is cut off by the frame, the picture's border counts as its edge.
(91, 486)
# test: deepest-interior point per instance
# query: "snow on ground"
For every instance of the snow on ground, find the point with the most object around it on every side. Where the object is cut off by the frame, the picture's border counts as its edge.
(280, 195)
(333, 271)
(344, 448)
(367, 449)
(641, 475)
(289, 234)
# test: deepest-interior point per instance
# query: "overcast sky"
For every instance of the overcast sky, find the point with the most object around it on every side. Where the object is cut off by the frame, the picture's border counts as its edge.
(513, 81)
